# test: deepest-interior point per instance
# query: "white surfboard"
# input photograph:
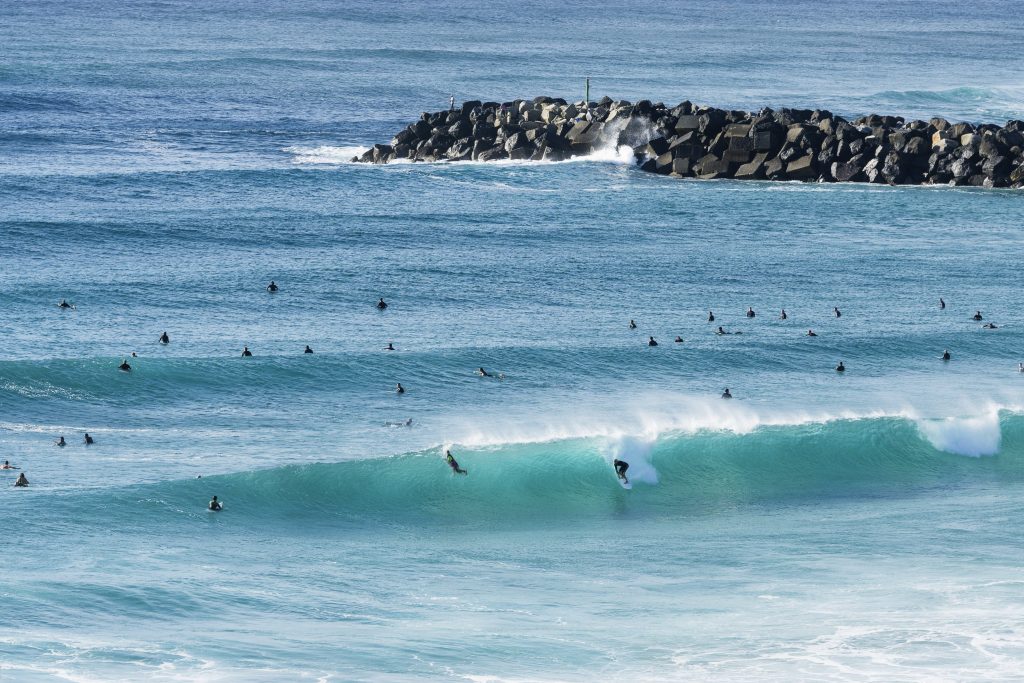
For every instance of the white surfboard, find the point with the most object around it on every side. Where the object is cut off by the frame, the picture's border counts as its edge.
(624, 483)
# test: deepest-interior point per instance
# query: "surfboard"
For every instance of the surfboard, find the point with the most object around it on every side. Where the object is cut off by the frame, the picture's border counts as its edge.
(624, 483)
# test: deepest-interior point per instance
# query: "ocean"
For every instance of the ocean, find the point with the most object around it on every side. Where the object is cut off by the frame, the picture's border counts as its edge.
(161, 162)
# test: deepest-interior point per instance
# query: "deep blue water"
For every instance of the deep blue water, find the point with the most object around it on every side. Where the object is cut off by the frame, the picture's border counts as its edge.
(161, 162)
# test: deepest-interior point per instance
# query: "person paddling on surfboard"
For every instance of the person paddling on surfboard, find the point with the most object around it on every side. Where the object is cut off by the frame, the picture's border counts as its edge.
(620, 469)
(164, 339)
(381, 305)
(453, 463)
(215, 505)
(7, 466)
(272, 287)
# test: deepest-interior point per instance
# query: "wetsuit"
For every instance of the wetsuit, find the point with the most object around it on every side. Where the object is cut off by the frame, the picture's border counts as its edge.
(620, 469)
(453, 463)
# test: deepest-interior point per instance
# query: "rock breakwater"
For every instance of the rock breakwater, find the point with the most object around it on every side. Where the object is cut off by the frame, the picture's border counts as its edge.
(692, 141)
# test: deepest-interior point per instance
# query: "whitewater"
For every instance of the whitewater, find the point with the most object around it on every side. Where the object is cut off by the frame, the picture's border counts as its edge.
(161, 163)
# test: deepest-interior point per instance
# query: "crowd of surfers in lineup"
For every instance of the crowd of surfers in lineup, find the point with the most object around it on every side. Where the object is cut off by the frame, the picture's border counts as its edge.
(619, 465)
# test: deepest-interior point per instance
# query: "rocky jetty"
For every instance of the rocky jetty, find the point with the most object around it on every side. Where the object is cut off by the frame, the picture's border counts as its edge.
(691, 141)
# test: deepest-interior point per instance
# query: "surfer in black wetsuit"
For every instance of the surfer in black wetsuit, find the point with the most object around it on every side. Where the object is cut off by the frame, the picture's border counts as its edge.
(88, 439)
(711, 317)
(750, 312)
(945, 355)
(61, 443)
(632, 324)
(942, 304)
(164, 339)
(977, 315)
(399, 389)
(22, 481)
(720, 330)
(272, 287)
(812, 333)
(783, 315)
(990, 326)
(651, 342)
(453, 463)
(483, 373)
(840, 367)
(64, 304)
(381, 305)
(727, 393)
(215, 505)
(124, 366)
(7, 466)
(246, 352)
(390, 346)
(678, 340)
(308, 350)
(836, 311)
(620, 469)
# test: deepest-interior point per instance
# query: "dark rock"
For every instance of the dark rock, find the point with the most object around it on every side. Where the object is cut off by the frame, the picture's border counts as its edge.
(846, 171)
(740, 149)
(682, 166)
(710, 122)
(754, 170)
(657, 147)
(802, 168)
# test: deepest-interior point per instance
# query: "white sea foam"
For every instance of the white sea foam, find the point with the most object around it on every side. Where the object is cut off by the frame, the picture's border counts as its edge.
(973, 436)
(324, 155)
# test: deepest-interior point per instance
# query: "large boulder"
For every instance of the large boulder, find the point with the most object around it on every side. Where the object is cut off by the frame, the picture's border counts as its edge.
(802, 168)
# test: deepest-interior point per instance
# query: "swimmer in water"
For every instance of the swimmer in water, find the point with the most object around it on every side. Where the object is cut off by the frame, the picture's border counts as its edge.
(836, 311)
(812, 333)
(711, 317)
(390, 347)
(88, 439)
(678, 340)
(945, 355)
(840, 367)
(246, 352)
(783, 315)
(381, 305)
(308, 350)
(272, 287)
(720, 330)
(942, 304)
(453, 463)
(134, 355)
(977, 316)
(22, 481)
(620, 469)
(60, 443)
(7, 466)
(399, 389)
(215, 505)
(990, 326)
(651, 342)
(483, 373)
(632, 324)
(750, 312)
(124, 366)
(64, 304)
(727, 393)
(164, 339)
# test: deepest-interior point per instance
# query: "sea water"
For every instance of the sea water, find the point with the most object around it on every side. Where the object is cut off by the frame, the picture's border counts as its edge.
(161, 162)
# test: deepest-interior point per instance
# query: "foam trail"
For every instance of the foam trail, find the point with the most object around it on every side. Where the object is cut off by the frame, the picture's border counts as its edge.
(324, 155)
(971, 436)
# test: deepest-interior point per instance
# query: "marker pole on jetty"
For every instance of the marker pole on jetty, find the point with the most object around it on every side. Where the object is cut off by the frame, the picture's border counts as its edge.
(586, 94)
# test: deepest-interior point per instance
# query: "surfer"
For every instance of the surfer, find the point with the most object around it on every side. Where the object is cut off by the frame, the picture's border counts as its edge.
(812, 333)
(453, 463)
(390, 346)
(945, 355)
(215, 505)
(88, 439)
(124, 366)
(308, 350)
(720, 330)
(60, 443)
(381, 305)
(134, 355)
(483, 373)
(727, 393)
(1020, 367)
(64, 304)
(246, 352)
(783, 316)
(977, 315)
(711, 317)
(942, 304)
(651, 342)
(272, 287)
(632, 324)
(7, 466)
(399, 389)
(620, 469)
(840, 367)
(164, 339)
(989, 326)
(750, 312)
(22, 481)
(678, 340)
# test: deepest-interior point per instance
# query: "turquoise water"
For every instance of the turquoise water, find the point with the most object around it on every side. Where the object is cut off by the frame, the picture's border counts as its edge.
(161, 163)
